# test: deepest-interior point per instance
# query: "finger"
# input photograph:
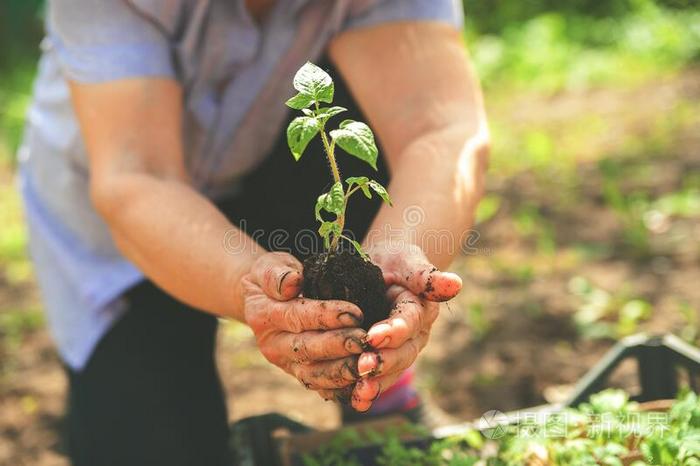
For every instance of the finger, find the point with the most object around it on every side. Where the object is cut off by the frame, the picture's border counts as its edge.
(320, 345)
(407, 319)
(340, 395)
(365, 392)
(411, 269)
(368, 389)
(327, 375)
(428, 283)
(279, 275)
(299, 314)
(391, 360)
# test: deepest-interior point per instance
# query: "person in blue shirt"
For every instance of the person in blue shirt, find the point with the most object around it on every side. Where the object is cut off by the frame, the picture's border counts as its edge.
(155, 174)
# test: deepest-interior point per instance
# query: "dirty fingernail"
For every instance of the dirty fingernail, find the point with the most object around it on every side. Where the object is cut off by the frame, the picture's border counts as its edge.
(384, 343)
(377, 340)
(364, 385)
(377, 330)
(367, 363)
(353, 345)
(281, 281)
(348, 319)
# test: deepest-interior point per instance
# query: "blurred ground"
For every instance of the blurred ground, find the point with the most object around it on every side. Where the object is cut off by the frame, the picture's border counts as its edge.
(590, 231)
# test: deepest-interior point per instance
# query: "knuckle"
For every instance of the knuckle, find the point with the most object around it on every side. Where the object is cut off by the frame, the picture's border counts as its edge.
(269, 277)
(292, 319)
(248, 284)
(341, 373)
(336, 341)
(259, 265)
(300, 349)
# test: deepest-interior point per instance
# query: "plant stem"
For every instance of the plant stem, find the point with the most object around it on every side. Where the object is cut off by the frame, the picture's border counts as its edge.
(350, 193)
(330, 149)
(330, 154)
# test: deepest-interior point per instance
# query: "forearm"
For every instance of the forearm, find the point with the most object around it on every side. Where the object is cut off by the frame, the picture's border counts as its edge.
(421, 95)
(436, 185)
(180, 240)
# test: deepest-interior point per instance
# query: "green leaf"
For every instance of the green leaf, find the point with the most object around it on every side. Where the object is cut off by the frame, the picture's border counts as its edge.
(355, 138)
(328, 227)
(320, 202)
(336, 199)
(333, 201)
(358, 247)
(300, 101)
(379, 189)
(325, 231)
(299, 133)
(360, 181)
(325, 113)
(314, 82)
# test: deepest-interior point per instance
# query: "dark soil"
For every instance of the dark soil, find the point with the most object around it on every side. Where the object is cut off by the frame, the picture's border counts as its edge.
(347, 276)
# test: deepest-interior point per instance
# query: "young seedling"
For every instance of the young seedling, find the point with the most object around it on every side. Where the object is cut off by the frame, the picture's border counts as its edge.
(337, 273)
(315, 88)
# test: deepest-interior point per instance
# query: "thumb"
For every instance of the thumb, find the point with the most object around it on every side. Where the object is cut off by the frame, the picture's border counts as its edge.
(411, 269)
(279, 275)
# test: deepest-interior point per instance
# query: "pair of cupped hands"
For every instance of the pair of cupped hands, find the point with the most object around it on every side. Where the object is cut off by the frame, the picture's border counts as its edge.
(321, 342)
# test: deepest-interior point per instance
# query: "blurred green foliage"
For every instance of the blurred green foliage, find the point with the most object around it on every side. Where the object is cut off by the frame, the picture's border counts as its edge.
(605, 315)
(493, 16)
(20, 33)
(550, 46)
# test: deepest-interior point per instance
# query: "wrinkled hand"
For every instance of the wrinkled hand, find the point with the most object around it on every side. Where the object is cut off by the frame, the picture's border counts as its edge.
(315, 341)
(415, 289)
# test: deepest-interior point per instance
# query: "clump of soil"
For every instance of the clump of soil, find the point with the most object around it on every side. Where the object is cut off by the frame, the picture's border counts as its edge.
(344, 275)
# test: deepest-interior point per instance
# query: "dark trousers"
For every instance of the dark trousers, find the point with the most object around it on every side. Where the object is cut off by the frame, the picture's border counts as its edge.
(150, 394)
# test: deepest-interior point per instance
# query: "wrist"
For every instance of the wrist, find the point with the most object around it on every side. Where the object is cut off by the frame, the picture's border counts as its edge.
(238, 266)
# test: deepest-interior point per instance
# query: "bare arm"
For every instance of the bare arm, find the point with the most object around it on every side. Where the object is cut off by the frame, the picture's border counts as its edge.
(416, 85)
(139, 185)
(424, 102)
(175, 235)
